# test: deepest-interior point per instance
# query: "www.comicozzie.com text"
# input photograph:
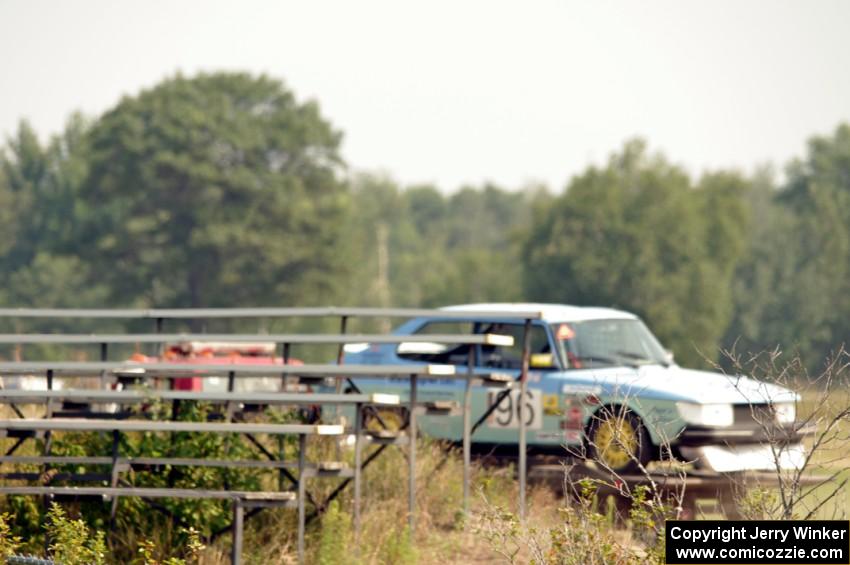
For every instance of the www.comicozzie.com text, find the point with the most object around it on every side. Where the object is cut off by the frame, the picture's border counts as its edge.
(755, 532)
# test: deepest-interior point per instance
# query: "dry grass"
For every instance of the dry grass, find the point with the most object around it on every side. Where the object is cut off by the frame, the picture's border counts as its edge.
(442, 534)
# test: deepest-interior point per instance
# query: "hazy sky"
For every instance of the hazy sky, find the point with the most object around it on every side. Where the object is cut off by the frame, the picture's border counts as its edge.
(457, 92)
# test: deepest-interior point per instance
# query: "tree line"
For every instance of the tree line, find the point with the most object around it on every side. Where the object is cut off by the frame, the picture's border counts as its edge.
(224, 189)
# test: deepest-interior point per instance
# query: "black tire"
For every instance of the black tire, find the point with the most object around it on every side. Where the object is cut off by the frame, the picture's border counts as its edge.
(618, 440)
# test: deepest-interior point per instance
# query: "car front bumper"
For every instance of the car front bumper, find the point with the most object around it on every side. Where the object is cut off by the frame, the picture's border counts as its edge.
(744, 457)
(694, 436)
(745, 448)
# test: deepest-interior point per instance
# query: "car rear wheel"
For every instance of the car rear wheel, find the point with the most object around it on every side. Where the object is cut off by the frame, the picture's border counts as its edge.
(385, 420)
(618, 440)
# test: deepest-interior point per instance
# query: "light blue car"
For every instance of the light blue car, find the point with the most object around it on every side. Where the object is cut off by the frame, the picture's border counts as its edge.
(600, 384)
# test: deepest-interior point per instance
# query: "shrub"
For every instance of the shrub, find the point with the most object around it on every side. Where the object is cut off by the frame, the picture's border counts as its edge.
(71, 542)
(335, 538)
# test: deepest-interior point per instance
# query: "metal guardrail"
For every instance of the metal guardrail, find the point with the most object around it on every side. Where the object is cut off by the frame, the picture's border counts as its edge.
(137, 396)
(246, 497)
(180, 370)
(319, 312)
(295, 339)
(84, 425)
(338, 371)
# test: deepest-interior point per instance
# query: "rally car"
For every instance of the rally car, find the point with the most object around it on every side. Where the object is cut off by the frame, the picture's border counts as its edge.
(601, 385)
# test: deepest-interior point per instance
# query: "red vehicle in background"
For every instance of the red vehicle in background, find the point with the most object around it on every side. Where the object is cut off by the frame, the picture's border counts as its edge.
(222, 353)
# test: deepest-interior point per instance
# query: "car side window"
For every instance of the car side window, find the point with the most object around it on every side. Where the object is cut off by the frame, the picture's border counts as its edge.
(511, 357)
(433, 351)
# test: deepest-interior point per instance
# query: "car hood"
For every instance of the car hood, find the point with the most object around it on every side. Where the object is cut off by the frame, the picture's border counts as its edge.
(676, 383)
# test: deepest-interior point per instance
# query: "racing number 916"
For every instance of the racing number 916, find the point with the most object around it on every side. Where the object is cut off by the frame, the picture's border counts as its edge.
(506, 414)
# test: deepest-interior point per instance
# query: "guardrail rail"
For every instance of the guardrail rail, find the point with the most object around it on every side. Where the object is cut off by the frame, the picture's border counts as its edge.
(88, 419)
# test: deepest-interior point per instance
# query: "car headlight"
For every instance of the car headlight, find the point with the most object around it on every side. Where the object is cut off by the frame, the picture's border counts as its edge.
(706, 414)
(786, 412)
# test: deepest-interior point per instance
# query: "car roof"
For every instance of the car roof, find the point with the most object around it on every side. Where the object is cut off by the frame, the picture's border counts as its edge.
(549, 312)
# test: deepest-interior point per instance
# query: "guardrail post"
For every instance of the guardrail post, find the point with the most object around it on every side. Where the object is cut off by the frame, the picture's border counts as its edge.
(302, 493)
(411, 460)
(157, 329)
(104, 354)
(467, 424)
(340, 358)
(238, 527)
(340, 355)
(48, 436)
(231, 385)
(523, 390)
(285, 360)
(113, 510)
(358, 453)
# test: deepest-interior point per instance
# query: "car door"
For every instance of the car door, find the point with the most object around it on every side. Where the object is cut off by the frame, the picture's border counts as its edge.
(501, 426)
(540, 408)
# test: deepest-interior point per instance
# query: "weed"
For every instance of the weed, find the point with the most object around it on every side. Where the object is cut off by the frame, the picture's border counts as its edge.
(71, 542)
(335, 538)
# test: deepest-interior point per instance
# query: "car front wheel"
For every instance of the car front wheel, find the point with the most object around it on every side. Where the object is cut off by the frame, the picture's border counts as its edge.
(618, 440)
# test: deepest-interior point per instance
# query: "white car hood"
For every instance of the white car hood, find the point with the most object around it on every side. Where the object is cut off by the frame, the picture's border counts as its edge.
(676, 383)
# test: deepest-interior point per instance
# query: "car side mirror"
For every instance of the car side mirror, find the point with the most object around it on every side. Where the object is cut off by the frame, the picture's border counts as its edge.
(668, 355)
(542, 361)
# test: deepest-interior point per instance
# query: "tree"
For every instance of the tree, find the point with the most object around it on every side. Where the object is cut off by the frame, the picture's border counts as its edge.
(24, 177)
(216, 190)
(794, 292)
(39, 185)
(481, 231)
(638, 234)
(417, 247)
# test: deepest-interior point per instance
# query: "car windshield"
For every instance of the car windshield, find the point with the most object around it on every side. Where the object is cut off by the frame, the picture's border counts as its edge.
(608, 343)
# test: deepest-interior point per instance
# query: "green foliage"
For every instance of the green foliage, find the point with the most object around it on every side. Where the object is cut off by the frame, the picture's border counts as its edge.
(760, 503)
(502, 530)
(417, 247)
(335, 538)
(215, 190)
(586, 537)
(640, 235)
(399, 548)
(224, 189)
(9, 543)
(194, 517)
(793, 292)
(648, 518)
(582, 533)
(38, 228)
(148, 550)
(25, 520)
(586, 534)
(71, 542)
(210, 515)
